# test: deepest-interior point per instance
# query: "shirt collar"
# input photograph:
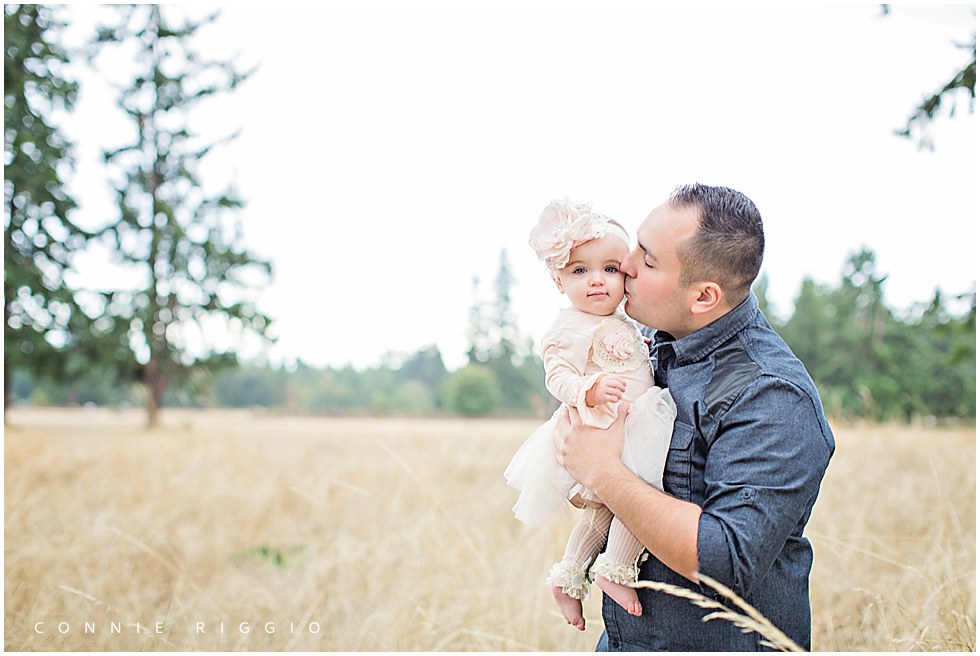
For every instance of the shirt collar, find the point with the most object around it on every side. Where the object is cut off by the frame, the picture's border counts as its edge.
(704, 341)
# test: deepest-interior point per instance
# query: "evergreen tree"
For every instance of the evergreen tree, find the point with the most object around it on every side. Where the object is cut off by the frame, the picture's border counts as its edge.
(504, 325)
(944, 360)
(426, 367)
(477, 330)
(964, 80)
(761, 290)
(496, 343)
(180, 245)
(507, 351)
(813, 332)
(963, 83)
(493, 333)
(40, 235)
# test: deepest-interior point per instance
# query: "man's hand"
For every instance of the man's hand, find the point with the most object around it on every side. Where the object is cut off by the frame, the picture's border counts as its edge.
(666, 526)
(590, 453)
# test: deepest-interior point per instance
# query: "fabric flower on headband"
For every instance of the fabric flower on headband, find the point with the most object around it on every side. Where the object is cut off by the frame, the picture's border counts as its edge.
(561, 227)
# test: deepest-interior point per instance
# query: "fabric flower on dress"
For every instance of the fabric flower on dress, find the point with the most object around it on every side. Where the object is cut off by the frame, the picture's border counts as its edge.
(617, 346)
(561, 227)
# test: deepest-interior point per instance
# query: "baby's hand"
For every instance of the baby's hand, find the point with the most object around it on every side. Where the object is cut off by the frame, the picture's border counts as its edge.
(608, 389)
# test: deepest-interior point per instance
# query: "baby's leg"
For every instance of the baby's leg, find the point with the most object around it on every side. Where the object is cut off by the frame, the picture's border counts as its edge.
(569, 579)
(617, 567)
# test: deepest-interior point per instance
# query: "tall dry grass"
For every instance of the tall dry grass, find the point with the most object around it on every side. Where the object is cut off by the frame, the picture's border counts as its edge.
(396, 535)
(894, 536)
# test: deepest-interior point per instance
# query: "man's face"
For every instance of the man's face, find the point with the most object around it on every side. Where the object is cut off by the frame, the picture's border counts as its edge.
(654, 296)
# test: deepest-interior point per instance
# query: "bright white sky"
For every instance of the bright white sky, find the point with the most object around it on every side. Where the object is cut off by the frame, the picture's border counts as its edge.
(390, 151)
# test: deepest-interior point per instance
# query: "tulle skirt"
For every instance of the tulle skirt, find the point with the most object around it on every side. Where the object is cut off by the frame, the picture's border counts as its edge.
(545, 486)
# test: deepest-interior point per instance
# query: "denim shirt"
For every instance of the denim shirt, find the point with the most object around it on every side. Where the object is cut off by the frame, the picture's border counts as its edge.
(750, 447)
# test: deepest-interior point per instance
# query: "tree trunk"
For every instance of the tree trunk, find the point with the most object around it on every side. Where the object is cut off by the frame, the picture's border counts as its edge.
(6, 390)
(152, 409)
(156, 386)
(8, 298)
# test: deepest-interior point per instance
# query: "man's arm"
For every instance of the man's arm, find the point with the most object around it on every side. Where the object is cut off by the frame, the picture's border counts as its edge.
(666, 526)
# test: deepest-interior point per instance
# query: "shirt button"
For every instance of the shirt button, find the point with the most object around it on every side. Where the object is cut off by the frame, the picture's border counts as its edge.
(614, 644)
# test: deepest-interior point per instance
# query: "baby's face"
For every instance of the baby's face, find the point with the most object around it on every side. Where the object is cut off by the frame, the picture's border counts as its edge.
(592, 279)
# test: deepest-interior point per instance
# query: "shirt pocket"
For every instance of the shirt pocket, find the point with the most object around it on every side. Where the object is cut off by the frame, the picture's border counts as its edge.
(677, 471)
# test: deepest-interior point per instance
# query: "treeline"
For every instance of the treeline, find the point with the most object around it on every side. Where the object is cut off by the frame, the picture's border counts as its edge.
(872, 362)
(183, 265)
(868, 360)
(422, 386)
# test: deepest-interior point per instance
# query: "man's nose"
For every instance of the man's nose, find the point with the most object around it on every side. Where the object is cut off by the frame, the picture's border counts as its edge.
(626, 266)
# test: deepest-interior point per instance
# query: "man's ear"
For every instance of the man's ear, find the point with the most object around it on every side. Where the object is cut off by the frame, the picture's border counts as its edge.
(710, 298)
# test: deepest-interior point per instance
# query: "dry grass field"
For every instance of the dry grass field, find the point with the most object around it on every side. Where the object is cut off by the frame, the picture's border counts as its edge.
(248, 531)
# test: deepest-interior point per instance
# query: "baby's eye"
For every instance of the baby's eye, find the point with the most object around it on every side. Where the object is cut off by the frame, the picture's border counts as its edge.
(579, 270)
(612, 269)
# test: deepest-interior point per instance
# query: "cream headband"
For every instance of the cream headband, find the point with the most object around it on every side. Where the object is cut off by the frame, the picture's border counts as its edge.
(563, 225)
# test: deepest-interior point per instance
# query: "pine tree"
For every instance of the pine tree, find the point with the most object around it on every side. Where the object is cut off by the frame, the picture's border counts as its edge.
(505, 326)
(963, 84)
(180, 244)
(39, 235)
(477, 330)
(507, 352)
(495, 342)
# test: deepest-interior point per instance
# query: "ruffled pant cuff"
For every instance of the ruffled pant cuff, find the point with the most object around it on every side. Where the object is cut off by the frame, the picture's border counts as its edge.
(620, 573)
(571, 578)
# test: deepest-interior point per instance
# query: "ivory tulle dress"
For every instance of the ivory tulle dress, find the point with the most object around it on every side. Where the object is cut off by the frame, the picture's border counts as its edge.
(577, 349)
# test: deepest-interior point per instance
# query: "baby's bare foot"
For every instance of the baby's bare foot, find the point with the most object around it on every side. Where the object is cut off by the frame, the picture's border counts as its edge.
(571, 608)
(623, 595)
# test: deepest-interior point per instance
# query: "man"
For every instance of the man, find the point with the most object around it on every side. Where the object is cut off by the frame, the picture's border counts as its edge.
(750, 443)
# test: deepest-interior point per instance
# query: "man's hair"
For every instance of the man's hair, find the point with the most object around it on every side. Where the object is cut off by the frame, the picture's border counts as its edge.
(728, 246)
